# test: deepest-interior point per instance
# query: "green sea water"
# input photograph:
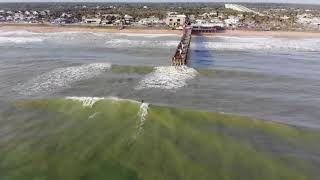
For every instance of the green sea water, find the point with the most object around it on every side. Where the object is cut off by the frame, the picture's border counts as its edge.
(62, 139)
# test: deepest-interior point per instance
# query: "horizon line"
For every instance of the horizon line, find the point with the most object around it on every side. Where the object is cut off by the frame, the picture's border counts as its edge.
(155, 1)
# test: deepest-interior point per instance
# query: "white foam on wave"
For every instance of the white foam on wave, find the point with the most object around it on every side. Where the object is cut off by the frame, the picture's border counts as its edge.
(142, 114)
(140, 43)
(19, 40)
(168, 78)
(90, 101)
(17, 33)
(259, 44)
(61, 78)
(146, 35)
(86, 101)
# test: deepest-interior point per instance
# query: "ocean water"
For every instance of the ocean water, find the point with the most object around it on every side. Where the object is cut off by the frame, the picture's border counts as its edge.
(263, 77)
(78, 96)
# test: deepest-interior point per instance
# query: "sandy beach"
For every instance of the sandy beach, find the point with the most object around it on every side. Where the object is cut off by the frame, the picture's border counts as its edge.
(48, 29)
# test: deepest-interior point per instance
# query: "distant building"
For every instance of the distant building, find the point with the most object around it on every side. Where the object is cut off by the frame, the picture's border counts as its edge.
(128, 19)
(111, 17)
(207, 27)
(308, 19)
(149, 21)
(2, 18)
(9, 18)
(240, 8)
(232, 21)
(35, 13)
(237, 7)
(175, 20)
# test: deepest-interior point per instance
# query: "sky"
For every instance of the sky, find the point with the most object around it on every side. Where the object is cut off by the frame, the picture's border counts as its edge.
(265, 1)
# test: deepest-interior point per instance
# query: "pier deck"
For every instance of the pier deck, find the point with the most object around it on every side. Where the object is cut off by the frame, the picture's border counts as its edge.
(180, 57)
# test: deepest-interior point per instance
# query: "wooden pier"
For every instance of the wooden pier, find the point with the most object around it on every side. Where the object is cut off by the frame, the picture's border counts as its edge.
(180, 57)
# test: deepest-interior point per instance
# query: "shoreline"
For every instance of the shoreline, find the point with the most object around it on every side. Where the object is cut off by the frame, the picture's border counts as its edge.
(150, 30)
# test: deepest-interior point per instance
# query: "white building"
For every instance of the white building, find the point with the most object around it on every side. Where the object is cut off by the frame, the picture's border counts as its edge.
(175, 20)
(308, 19)
(149, 20)
(35, 13)
(232, 20)
(18, 16)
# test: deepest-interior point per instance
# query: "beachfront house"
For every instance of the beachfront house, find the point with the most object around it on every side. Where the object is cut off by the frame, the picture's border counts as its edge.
(9, 18)
(27, 13)
(35, 13)
(18, 16)
(9, 13)
(232, 21)
(2, 18)
(110, 18)
(128, 19)
(175, 20)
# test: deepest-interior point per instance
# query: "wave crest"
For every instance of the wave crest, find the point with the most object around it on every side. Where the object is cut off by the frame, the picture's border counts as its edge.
(61, 78)
(168, 78)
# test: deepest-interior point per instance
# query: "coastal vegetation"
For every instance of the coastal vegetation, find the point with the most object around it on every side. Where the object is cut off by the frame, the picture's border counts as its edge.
(271, 16)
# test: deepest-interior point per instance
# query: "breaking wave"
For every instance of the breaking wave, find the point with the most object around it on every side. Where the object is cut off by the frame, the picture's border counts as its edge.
(61, 78)
(17, 33)
(257, 44)
(45, 132)
(147, 35)
(143, 113)
(168, 78)
(19, 40)
(138, 43)
(90, 101)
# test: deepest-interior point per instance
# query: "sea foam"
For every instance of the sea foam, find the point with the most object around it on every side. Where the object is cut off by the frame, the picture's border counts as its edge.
(261, 44)
(120, 43)
(61, 78)
(142, 114)
(90, 101)
(86, 101)
(19, 40)
(147, 35)
(167, 77)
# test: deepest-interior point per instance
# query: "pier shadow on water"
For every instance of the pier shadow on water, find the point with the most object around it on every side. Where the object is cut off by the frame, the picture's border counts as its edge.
(200, 55)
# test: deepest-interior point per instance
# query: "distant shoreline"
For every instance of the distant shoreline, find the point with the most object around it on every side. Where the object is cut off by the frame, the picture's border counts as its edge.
(38, 28)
